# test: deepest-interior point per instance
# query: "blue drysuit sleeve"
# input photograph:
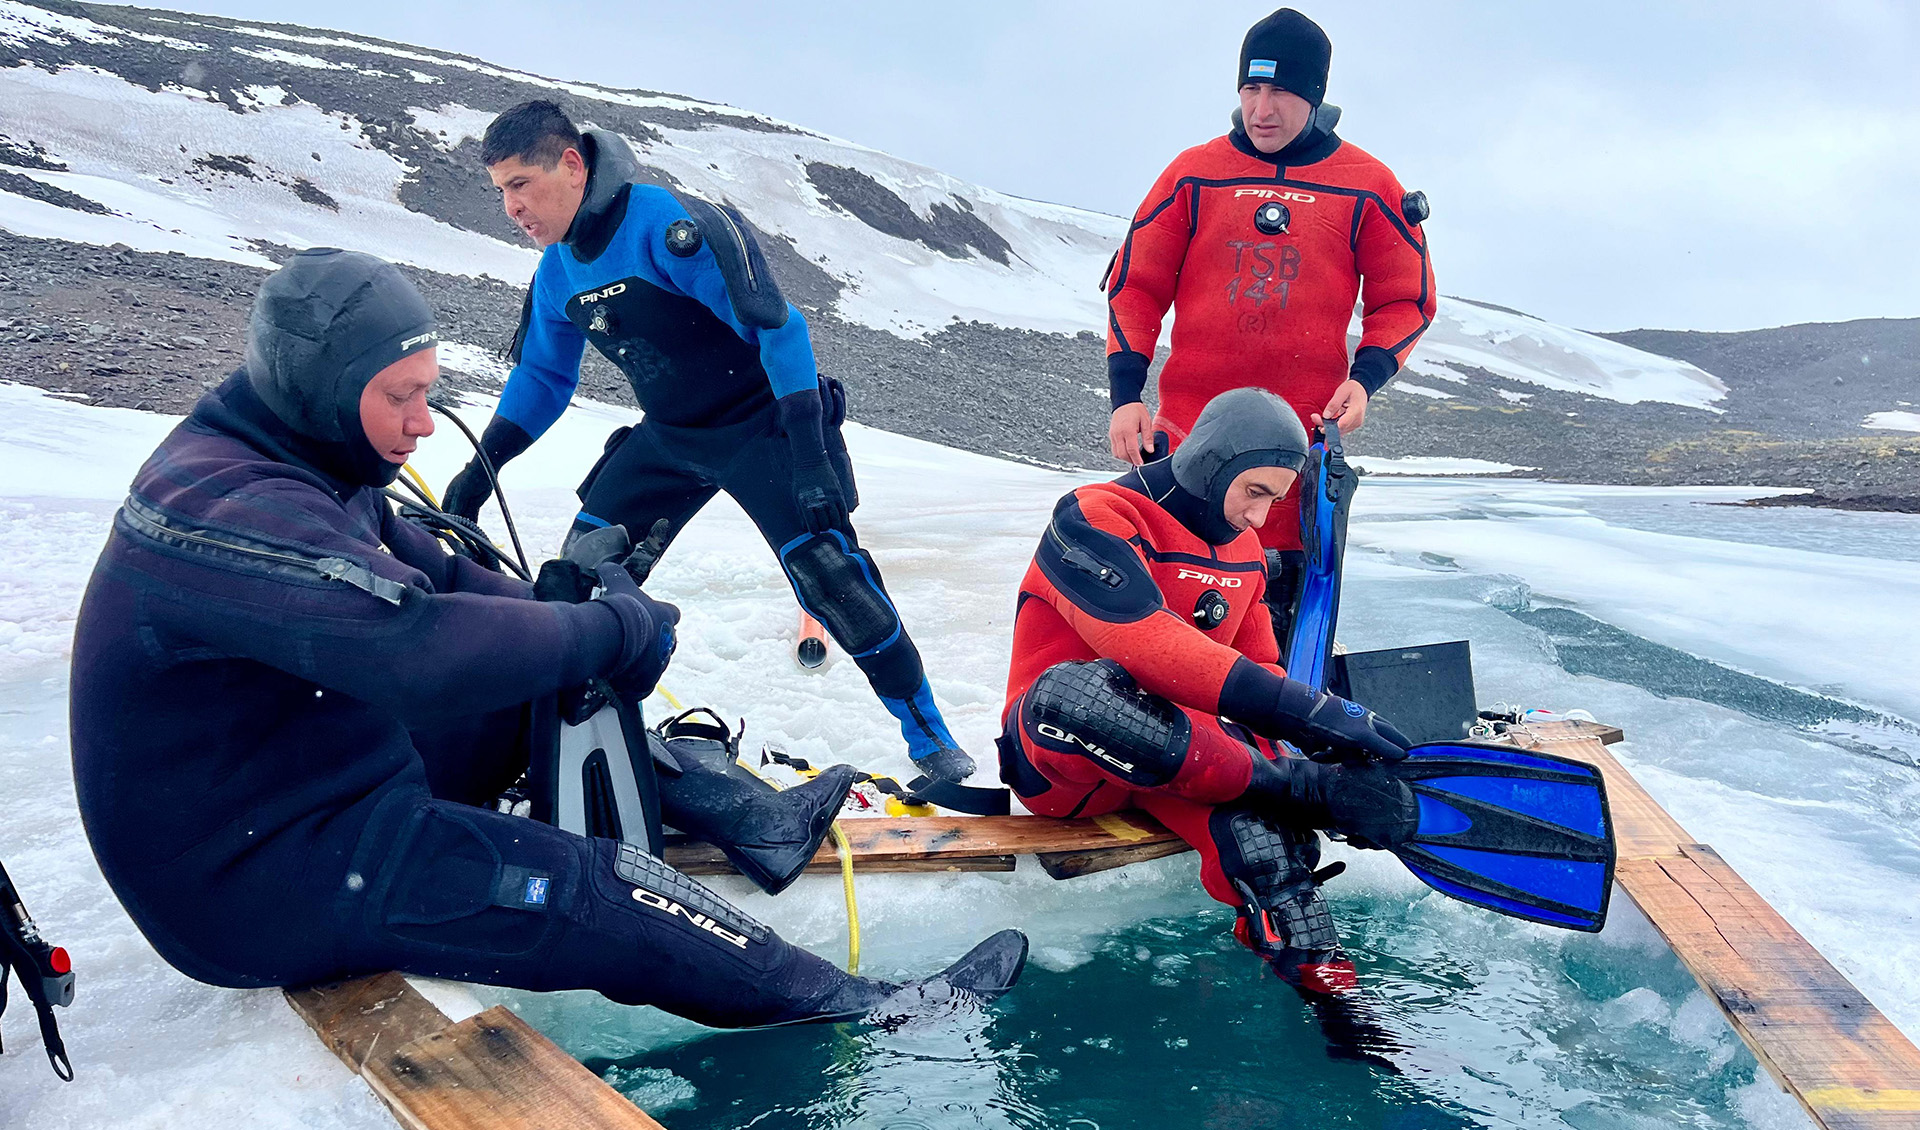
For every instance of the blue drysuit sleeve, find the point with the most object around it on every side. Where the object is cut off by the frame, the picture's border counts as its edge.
(548, 371)
(786, 352)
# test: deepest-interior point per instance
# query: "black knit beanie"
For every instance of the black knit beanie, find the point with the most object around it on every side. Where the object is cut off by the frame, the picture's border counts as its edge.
(1288, 50)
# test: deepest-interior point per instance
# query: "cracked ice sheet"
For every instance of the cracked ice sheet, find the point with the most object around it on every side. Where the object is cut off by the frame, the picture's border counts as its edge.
(1824, 621)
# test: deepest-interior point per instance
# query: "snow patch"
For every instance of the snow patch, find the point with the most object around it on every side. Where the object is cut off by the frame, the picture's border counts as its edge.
(1893, 421)
(1423, 390)
(1522, 348)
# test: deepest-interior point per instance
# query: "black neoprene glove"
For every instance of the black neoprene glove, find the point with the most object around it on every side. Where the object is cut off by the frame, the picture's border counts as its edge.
(817, 491)
(648, 632)
(571, 577)
(1361, 799)
(1317, 722)
(470, 489)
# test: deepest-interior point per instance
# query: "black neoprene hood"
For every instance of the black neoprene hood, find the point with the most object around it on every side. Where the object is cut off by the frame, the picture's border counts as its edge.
(323, 325)
(1240, 429)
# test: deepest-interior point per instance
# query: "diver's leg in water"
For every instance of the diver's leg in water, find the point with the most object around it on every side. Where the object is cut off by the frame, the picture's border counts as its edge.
(472, 895)
(1264, 870)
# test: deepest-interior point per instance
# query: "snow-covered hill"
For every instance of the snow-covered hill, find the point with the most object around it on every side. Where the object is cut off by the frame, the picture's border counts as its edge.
(217, 138)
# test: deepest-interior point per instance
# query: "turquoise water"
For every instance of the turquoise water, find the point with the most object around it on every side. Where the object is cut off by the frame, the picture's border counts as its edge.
(1169, 1023)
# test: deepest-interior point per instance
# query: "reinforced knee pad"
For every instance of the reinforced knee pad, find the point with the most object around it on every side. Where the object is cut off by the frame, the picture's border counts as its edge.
(838, 585)
(667, 891)
(1096, 711)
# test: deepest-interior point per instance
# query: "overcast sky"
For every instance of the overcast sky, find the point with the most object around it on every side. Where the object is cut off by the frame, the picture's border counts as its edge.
(1680, 165)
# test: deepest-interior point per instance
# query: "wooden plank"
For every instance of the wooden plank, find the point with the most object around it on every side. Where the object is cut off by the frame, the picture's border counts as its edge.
(1641, 828)
(1846, 1063)
(705, 859)
(970, 843)
(1073, 864)
(490, 1071)
(493, 1072)
(355, 1017)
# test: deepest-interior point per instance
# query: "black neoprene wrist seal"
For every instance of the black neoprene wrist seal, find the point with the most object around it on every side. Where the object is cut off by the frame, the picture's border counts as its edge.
(1126, 377)
(504, 440)
(1373, 367)
(1257, 697)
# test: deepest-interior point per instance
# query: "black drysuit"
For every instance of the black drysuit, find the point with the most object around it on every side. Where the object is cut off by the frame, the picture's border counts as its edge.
(263, 656)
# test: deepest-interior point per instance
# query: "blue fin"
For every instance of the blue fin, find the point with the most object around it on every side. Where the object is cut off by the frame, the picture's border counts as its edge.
(1326, 489)
(1523, 833)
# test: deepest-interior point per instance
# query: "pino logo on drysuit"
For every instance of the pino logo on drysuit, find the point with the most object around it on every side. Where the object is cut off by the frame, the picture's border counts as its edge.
(673, 909)
(1047, 729)
(1210, 579)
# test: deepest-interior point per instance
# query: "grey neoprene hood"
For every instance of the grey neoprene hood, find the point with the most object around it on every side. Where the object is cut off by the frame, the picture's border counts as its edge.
(1237, 430)
(323, 325)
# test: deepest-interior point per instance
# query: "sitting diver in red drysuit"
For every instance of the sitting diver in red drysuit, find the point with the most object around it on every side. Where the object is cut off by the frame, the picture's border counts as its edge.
(1141, 622)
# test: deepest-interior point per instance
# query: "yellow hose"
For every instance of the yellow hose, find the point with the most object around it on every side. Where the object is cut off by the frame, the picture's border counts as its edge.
(853, 908)
(842, 847)
(407, 470)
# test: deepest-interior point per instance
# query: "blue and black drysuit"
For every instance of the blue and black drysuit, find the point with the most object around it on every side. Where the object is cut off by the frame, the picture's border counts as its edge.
(277, 685)
(676, 292)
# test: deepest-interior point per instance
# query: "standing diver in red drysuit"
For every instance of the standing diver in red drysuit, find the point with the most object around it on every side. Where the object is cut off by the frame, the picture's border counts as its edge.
(1260, 241)
(1140, 623)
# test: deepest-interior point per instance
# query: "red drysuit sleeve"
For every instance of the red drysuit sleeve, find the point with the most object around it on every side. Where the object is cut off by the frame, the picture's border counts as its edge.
(1397, 296)
(1146, 269)
(1101, 586)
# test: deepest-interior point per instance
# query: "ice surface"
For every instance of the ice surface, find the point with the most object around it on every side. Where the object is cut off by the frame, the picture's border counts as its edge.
(1430, 465)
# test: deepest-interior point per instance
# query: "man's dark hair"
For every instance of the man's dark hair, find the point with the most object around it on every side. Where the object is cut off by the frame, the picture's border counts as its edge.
(536, 132)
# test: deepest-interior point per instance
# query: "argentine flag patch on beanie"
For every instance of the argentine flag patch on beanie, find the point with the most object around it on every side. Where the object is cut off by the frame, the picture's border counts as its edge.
(1261, 68)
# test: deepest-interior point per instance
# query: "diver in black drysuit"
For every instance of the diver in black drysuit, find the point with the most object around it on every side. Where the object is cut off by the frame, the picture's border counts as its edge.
(275, 682)
(677, 294)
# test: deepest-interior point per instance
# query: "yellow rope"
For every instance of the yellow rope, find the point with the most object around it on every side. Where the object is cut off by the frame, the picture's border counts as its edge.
(407, 470)
(842, 847)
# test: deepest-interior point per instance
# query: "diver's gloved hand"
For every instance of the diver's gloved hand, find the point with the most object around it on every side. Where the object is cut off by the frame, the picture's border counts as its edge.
(571, 577)
(1362, 799)
(471, 488)
(817, 491)
(468, 492)
(1314, 720)
(649, 634)
(639, 564)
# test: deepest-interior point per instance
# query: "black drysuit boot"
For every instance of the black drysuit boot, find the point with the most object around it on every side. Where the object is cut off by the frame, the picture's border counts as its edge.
(1283, 916)
(769, 834)
(982, 974)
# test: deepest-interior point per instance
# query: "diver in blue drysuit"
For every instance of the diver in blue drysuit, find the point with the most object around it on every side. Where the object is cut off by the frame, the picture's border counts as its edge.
(275, 689)
(676, 292)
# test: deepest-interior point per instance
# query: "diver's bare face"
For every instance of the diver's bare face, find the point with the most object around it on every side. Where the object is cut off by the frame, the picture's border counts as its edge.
(393, 406)
(1271, 116)
(541, 201)
(1251, 496)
